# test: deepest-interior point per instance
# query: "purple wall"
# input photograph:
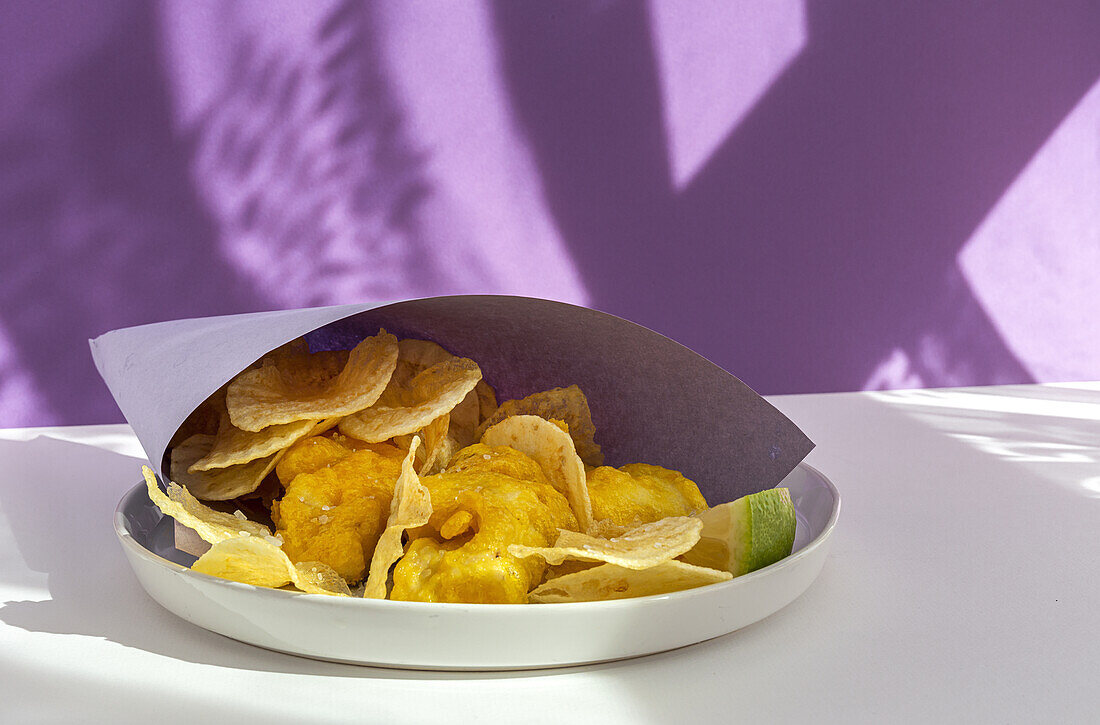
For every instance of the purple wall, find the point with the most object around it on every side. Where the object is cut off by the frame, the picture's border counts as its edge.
(816, 195)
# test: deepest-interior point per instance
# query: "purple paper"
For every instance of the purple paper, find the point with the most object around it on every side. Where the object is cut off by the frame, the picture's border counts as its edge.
(652, 400)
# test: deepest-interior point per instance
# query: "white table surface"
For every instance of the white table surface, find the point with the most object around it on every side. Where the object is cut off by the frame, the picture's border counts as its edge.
(963, 585)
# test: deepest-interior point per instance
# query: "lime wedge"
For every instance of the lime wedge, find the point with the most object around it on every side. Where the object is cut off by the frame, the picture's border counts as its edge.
(746, 534)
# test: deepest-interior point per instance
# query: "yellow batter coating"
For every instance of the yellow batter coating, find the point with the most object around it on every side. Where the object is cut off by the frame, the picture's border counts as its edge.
(640, 493)
(336, 503)
(496, 509)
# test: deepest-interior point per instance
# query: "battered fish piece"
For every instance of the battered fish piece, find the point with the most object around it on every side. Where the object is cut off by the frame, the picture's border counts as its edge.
(497, 459)
(478, 511)
(639, 493)
(309, 454)
(337, 500)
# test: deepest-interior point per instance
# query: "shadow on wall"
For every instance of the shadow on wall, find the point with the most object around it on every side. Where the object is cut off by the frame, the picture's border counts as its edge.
(99, 224)
(820, 240)
(304, 157)
(815, 251)
(109, 217)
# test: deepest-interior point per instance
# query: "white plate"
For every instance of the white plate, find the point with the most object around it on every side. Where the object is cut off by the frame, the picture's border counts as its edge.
(473, 636)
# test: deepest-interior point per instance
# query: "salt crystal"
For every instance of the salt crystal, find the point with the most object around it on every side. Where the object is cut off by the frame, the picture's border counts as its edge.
(486, 456)
(325, 508)
(240, 515)
(322, 519)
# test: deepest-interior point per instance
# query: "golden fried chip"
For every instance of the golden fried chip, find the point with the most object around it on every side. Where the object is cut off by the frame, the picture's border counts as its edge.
(486, 398)
(233, 446)
(465, 418)
(437, 447)
(569, 566)
(471, 412)
(608, 581)
(295, 387)
(415, 356)
(313, 577)
(551, 448)
(411, 506)
(213, 526)
(406, 409)
(253, 560)
(565, 404)
(218, 484)
(435, 452)
(639, 548)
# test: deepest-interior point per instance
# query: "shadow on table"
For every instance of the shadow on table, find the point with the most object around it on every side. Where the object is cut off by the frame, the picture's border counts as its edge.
(58, 497)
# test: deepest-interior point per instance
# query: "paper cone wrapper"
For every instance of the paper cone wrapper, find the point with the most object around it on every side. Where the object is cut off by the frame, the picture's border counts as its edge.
(652, 399)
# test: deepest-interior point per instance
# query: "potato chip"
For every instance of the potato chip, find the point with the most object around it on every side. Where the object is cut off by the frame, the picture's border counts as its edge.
(417, 355)
(565, 404)
(313, 577)
(569, 566)
(438, 449)
(212, 526)
(608, 581)
(257, 505)
(638, 548)
(256, 561)
(465, 418)
(297, 362)
(486, 398)
(471, 412)
(406, 409)
(448, 448)
(551, 448)
(404, 443)
(411, 506)
(293, 387)
(218, 484)
(233, 446)
(414, 356)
